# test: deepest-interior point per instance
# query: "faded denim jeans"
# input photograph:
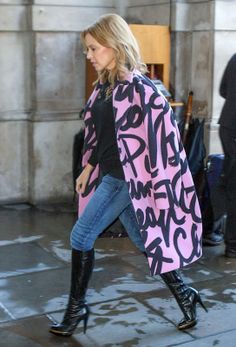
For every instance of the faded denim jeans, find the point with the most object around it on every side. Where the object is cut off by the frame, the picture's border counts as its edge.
(110, 201)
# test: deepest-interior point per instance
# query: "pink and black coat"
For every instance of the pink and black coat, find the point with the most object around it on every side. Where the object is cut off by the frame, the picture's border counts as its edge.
(156, 170)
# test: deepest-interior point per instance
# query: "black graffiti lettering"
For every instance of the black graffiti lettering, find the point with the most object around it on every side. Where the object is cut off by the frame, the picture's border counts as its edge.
(125, 91)
(192, 204)
(141, 190)
(130, 157)
(132, 118)
(164, 144)
(176, 181)
(174, 160)
(166, 193)
(160, 123)
(146, 218)
(155, 96)
(183, 196)
(154, 251)
(164, 220)
(164, 223)
(172, 118)
(152, 140)
(152, 127)
(180, 232)
(146, 107)
(160, 120)
(148, 169)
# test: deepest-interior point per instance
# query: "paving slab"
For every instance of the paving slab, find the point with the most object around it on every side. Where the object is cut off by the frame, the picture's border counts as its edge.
(35, 293)
(19, 225)
(226, 339)
(22, 258)
(33, 332)
(5, 315)
(9, 339)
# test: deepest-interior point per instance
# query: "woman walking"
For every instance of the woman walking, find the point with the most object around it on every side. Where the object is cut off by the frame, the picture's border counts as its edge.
(134, 168)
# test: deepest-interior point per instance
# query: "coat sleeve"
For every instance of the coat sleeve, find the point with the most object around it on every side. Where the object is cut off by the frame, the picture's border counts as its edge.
(228, 85)
(93, 158)
(223, 84)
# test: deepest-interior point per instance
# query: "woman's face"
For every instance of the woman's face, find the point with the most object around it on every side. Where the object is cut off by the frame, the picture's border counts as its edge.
(101, 57)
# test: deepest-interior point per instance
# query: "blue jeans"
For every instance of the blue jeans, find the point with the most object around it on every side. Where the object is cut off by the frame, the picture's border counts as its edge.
(110, 200)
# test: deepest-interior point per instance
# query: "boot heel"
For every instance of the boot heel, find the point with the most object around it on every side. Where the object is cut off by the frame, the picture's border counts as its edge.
(199, 300)
(86, 322)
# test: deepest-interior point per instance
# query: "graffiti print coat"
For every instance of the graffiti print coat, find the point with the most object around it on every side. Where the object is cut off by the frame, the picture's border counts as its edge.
(156, 170)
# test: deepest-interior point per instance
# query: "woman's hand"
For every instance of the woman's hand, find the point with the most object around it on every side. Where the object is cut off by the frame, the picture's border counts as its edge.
(82, 180)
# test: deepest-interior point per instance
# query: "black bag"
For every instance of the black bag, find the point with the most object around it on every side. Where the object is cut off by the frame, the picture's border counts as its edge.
(214, 167)
(77, 155)
(213, 172)
(195, 147)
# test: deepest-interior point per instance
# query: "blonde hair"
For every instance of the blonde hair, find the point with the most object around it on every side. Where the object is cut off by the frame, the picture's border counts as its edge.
(112, 31)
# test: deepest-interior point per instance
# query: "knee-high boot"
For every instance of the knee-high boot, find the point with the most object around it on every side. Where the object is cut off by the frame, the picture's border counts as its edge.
(77, 310)
(186, 297)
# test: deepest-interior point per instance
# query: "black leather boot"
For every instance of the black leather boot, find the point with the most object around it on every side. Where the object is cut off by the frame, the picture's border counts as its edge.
(186, 297)
(77, 310)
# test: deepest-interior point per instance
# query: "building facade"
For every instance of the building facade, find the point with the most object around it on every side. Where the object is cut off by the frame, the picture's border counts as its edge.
(42, 87)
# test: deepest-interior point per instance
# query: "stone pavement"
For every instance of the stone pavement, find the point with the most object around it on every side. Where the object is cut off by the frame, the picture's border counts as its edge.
(129, 308)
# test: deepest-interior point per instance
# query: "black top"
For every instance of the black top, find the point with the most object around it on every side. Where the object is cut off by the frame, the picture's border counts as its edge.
(228, 91)
(106, 152)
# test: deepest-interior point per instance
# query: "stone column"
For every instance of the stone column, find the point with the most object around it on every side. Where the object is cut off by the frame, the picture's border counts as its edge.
(192, 55)
(15, 99)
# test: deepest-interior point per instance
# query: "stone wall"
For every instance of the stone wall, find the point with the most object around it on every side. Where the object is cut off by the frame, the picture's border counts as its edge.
(149, 11)
(42, 90)
(15, 99)
(42, 86)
